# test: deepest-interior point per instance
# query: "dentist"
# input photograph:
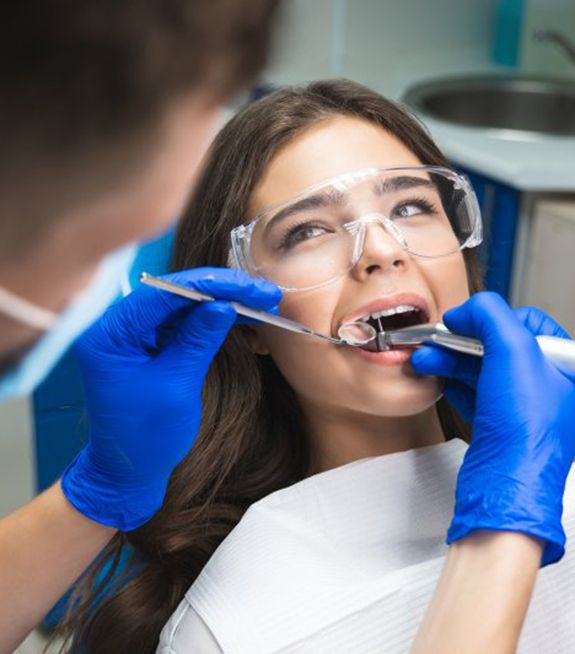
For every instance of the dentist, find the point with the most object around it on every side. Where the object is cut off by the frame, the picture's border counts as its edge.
(105, 112)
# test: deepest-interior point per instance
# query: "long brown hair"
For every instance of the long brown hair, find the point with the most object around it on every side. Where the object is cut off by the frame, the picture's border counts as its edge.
(252, 437)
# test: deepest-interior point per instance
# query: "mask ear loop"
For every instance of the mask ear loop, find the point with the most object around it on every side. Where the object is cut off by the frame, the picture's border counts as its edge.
(26, 312)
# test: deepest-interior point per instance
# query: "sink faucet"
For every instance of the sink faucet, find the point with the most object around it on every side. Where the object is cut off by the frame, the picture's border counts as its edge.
(552, 36)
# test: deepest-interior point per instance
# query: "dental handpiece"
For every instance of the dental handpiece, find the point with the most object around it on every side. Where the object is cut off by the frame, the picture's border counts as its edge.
(560, 351)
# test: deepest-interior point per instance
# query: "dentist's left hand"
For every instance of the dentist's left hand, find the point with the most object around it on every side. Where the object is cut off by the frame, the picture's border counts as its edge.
(143, 366)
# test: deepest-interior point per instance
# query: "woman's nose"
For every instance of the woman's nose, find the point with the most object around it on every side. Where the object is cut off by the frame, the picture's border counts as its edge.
(382, 250)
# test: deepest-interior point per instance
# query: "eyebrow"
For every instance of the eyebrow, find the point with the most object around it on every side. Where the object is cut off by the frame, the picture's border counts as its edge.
(331, 198)
(383, 186)
(335, 198)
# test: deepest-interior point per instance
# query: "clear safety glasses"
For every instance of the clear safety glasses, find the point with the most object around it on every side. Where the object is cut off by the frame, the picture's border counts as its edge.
(317, 236)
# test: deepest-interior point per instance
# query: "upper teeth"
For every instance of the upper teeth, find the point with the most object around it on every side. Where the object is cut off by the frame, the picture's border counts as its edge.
(392, 311)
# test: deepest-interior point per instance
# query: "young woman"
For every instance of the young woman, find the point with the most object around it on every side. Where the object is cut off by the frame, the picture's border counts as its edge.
(341, 199)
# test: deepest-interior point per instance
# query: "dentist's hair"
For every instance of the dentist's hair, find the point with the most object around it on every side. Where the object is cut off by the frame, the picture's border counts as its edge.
(86, 88)
(252, 439)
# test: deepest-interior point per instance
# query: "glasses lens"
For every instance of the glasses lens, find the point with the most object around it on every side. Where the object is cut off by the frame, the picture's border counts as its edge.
(311, 240)
(304, 244)
(429, 209)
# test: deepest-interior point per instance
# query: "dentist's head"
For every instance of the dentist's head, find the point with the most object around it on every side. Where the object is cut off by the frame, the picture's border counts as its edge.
(105, 112)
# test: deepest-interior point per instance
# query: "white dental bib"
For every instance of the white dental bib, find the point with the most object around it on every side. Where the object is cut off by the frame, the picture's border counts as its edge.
(347, 561)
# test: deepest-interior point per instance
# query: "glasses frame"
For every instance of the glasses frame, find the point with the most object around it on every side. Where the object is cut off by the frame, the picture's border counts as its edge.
(239, 255)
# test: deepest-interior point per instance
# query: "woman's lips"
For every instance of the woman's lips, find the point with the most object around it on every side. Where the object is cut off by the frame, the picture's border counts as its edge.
(388, 358)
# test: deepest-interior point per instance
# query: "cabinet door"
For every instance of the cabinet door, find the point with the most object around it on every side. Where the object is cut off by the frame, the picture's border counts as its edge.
(549, 279)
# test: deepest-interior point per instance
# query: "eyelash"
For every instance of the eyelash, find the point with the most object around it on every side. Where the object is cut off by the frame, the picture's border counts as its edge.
(422, 203)
(285, 239)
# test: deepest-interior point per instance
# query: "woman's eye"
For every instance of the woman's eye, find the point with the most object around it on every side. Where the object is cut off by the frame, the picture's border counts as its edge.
(409, 209)
(301, 233)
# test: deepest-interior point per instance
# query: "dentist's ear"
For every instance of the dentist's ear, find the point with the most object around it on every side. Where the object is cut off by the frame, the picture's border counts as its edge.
(256, 340)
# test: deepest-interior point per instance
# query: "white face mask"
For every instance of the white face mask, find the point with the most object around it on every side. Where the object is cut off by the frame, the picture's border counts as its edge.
(110, 279)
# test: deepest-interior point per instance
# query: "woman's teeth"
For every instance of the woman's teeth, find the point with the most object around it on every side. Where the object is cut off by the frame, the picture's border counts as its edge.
(392, 311)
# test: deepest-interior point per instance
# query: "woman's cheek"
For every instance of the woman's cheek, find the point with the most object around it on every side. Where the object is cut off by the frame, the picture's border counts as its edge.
(299, 357)
(303, 359)
(447, 279)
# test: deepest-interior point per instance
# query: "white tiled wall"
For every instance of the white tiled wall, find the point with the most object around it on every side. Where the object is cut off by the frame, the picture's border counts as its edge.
(369, 40)
(305, 41)
(382, 32)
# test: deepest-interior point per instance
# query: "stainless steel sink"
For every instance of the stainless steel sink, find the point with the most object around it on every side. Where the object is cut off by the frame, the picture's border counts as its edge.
(520, 104)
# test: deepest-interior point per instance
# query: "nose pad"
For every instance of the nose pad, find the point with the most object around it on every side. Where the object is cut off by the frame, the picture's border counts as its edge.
(388, 225)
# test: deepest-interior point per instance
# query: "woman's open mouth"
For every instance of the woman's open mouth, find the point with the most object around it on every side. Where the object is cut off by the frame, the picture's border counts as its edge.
(404, 315)
(366, 330)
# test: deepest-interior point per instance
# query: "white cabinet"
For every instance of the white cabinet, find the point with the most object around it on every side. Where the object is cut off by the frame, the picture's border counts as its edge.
(548, 276)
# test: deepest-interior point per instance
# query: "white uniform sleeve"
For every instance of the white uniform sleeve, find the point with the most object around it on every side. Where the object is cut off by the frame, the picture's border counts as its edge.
(187, 632)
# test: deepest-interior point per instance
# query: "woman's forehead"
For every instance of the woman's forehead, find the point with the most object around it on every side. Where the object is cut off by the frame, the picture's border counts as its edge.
(325, 150)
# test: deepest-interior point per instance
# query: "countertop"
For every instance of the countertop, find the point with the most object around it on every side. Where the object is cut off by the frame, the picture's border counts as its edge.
(529, 163)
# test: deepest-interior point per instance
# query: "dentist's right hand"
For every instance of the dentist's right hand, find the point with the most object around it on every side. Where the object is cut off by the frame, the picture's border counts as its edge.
(522, 413)
(143, 366)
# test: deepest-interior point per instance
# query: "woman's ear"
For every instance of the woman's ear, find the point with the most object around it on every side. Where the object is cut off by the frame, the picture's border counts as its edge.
(256, 340)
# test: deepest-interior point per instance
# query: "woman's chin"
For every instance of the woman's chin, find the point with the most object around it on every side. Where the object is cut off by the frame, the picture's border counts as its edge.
(408, 395)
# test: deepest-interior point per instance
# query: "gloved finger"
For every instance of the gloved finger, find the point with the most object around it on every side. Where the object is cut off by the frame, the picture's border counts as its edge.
(136, 317)
(234, 285)
(462, 398)
(489, 318)
(437, 361)
(230, 284)
(539, 323)
(200, 335)
(165, 332)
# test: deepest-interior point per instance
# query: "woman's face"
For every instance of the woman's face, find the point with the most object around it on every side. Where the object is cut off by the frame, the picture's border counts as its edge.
(345, 378)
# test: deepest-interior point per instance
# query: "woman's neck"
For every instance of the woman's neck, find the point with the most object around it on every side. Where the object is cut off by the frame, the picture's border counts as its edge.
(340, 437)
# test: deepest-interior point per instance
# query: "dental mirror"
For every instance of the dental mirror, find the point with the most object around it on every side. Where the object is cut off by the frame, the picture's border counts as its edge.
(357, 333)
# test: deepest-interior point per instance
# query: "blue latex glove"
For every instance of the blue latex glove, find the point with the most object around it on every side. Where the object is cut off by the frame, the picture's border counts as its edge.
(522, 413)
(143, 366)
